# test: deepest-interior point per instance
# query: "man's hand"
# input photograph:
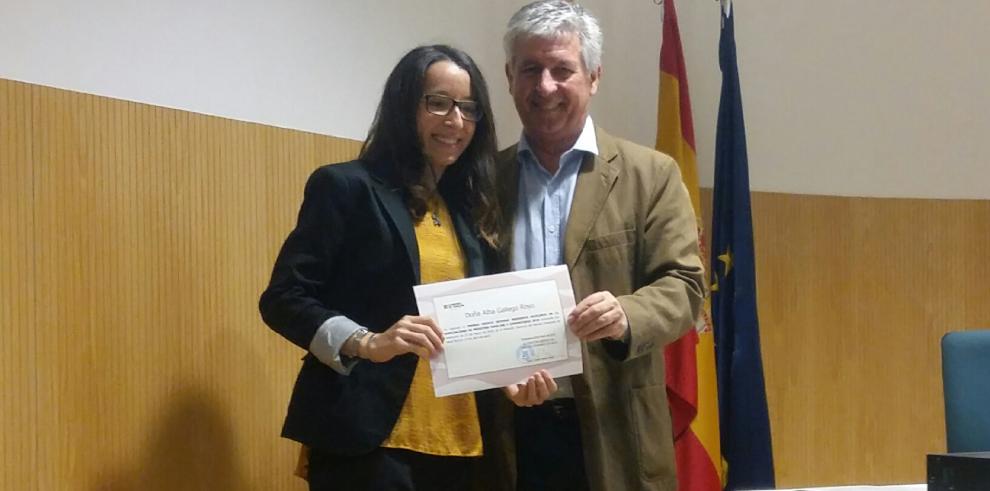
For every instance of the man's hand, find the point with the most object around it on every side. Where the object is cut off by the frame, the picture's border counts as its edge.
(410, 334)
(536, 389)
(598, 316)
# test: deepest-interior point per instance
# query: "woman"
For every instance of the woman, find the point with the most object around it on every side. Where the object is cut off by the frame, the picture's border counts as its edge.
(416, 207)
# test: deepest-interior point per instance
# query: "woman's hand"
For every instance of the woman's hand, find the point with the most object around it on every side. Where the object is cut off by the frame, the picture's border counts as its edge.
(410, 334)
(536, 389)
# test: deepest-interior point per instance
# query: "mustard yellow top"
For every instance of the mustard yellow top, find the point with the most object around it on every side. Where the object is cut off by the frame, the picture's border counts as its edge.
(427, 424)
(449, 425)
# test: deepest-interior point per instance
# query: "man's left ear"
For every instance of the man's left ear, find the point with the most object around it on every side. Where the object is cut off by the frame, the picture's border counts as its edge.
(595, 76)
(508, 75)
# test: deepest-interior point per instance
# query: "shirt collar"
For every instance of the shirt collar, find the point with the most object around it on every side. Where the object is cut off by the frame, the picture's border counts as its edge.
(587, 141)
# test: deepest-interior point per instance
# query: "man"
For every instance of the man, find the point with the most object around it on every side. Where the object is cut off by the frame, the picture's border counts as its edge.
(619, 216)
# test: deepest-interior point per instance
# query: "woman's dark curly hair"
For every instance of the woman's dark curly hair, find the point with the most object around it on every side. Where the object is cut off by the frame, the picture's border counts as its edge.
(468, 184)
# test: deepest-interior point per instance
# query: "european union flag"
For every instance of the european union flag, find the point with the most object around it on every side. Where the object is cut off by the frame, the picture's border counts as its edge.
(745, 425)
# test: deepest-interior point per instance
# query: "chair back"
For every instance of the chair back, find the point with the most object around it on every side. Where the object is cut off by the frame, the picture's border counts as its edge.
(966, 390)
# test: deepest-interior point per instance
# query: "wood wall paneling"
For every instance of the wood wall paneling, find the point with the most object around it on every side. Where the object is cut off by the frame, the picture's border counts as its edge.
(18, 330)
(854, 295)
(136, 242)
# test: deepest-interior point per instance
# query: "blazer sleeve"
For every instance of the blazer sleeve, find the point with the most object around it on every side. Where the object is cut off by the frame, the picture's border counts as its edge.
(669, 265)
(293, 304)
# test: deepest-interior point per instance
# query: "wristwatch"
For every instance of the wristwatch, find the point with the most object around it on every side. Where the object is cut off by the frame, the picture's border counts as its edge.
(353, 342)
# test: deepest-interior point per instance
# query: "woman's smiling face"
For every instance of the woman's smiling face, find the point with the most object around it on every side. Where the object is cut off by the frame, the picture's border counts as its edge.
(444, 138)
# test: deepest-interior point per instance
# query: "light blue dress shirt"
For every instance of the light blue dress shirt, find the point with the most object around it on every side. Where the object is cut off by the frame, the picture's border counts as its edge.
(544, 205)
(545, 202)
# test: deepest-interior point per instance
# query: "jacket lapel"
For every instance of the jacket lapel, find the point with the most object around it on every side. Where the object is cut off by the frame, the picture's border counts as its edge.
(391, 200)
(469, 243)
(507, 184)
(594, 182)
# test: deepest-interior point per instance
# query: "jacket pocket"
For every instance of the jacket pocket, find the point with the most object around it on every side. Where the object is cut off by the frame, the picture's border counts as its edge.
(654, 440)
(613, 239)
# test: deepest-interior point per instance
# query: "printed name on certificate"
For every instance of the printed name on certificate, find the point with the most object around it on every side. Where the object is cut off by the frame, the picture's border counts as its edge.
(502, 328)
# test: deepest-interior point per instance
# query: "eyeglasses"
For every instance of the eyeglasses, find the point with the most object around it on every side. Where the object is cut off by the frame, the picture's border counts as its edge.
(441, 105)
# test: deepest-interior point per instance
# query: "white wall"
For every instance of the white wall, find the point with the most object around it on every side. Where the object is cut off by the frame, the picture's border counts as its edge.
(878, 98)
(313, 65)
(851, 97)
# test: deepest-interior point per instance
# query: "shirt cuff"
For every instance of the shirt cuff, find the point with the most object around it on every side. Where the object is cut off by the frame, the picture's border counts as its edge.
(330, 337)
(618, 348)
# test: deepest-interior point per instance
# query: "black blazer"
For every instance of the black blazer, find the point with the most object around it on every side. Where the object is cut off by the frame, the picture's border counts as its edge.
(353, 253)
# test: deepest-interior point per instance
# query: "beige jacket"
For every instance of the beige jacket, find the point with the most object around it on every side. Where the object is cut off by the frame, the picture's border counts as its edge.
(631, 231)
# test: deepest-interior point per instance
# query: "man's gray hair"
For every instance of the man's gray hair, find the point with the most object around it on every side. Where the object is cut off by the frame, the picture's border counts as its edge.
(551, 19)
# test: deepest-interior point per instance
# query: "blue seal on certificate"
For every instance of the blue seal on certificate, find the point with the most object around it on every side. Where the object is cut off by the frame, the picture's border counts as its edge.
(525, 353)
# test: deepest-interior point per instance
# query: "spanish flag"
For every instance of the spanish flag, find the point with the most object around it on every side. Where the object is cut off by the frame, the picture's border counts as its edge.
(691, 380)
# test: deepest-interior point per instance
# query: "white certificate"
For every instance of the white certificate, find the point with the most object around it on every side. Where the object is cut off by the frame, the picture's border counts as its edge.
(500, 329)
